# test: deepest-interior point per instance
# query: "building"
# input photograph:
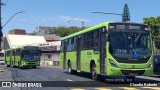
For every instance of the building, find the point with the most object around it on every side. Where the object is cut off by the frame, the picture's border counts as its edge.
(13, 41)
(17, 32)
(50, 50)
(40, 30)
(50, 53)
(51, 38)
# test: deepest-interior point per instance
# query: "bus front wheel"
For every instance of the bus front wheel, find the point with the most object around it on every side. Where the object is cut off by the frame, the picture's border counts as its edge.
(8, 65)
(93, 72)
(34, 66)
(19, 65)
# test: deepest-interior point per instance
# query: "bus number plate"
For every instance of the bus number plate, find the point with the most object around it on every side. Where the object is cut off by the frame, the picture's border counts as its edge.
(132, 74)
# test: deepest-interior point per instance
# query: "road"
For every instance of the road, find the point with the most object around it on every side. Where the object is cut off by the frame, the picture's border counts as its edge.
(61, 80)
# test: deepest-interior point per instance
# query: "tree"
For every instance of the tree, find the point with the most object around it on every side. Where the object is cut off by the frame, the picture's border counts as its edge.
(126, 14)
(63, 31)
(154, 25)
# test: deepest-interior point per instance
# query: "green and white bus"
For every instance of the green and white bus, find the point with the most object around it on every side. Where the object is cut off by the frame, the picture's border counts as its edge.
(110, 49)
(23, 57)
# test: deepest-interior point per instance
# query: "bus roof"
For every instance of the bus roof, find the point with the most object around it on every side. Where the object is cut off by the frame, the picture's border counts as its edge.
(20, 47)
(95, 27)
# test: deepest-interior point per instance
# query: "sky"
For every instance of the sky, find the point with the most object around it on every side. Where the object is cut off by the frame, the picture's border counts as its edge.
(71, 12)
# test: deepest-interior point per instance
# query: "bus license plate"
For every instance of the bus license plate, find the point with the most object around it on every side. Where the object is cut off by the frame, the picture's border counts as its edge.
(132, 74)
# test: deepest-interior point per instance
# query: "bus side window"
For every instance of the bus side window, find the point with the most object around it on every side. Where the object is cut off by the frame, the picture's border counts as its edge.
(87, 41)
(69, 45)
(18, 52)
(95, 39)
(72, 44)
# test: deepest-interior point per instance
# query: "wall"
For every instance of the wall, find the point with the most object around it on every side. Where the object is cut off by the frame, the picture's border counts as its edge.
(50, 59)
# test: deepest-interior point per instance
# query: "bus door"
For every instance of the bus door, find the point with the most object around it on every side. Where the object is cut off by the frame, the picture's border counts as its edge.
(13, 54)
(78, 49)
(64, 53)
(10, 58)
(102, 49)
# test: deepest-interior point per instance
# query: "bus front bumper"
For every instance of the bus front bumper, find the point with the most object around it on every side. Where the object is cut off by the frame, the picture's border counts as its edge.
(36, 63)
(130, 72)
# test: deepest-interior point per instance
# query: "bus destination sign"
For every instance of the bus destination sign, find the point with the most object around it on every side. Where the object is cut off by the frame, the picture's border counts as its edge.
(127, 26)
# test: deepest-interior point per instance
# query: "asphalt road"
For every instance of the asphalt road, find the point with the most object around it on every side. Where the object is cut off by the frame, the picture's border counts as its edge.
(56, 78)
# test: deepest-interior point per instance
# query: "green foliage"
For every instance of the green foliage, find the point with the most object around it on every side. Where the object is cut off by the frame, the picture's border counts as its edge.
(154, 25)
(31, 34)
(63, 31)
(126, 14)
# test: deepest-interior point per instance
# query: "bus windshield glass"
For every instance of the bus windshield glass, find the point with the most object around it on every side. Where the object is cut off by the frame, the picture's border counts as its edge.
(130, 44)
(30, 54)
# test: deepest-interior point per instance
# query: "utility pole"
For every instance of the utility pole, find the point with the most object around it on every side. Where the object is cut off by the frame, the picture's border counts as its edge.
(1, 34)
(1, 27)
(82, 24)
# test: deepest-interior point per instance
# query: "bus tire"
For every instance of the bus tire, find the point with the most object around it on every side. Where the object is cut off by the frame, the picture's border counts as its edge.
(34, 66)
(8, 65)
(93, 72)
(19, 65)
(69, 68)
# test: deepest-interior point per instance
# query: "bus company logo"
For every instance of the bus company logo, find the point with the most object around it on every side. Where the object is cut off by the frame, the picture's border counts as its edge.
(133, 66)
(89, 53)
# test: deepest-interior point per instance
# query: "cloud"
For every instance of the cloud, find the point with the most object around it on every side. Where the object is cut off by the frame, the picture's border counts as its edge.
(69, 18)
(44, 20)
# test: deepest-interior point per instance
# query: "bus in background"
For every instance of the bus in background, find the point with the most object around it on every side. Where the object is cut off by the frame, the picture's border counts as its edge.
(110, 49)
(2, 57)
(23, 57)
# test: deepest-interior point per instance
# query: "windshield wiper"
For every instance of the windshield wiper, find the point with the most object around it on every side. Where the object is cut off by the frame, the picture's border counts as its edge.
(125, 38)
(137, 37)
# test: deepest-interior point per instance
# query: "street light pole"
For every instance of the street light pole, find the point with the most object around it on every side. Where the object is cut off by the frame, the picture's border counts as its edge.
(1, 27)
(11, 18)
(109, 13)
(125, 15)
(78, 20)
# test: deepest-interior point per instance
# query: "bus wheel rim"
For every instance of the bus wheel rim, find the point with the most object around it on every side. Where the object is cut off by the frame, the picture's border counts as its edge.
(69, 69)
(94, 74)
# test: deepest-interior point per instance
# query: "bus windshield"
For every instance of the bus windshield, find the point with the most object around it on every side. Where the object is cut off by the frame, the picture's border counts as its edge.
(130, 44)
(30, 54)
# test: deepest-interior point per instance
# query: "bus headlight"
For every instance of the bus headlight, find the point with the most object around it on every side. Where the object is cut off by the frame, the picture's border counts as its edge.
(113, 64)
(150, 65)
